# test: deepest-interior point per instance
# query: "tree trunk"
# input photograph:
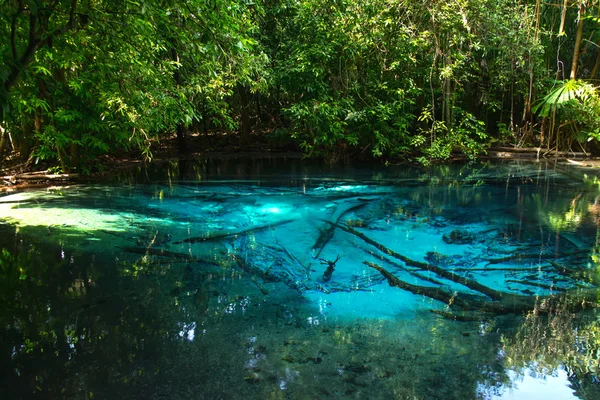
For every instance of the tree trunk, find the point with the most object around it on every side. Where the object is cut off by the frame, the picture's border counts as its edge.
(536, 32)
(448, 103)
(179, 129)
(204, 118)
(563, 17)
(74, 158)
(181, 142)
(3, 135)
(577, 41)
(25, 141)
(596, 65)
(38, 37)
(36, 126)
(244, 115)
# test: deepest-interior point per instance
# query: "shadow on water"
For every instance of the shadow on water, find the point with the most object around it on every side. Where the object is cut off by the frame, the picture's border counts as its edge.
(207, 280)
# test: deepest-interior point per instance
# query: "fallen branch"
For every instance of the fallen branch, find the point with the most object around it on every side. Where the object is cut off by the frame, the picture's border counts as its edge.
(434, 293)
(531, 255)
(451, 276)
(504, 303)
(514, 257)
(166, 253)
(330, 267)
(536, 284)
(408, 271)
(268, 275)
(571, 300)
(38, 176)
(294, 258)
(456, 317)
(563, 269)
(326, 233)
(523, 269)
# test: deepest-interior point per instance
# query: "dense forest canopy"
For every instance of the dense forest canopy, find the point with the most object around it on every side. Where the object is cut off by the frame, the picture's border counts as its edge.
(385, 78)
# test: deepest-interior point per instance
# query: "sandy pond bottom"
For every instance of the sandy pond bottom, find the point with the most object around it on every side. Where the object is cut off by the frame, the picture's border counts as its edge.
(263, 289)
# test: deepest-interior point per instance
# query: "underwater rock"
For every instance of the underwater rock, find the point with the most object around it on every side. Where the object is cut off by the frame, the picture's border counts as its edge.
(253, 377)
(289, 358)
(438, 223)
(354, 380)
(356, 223)
(459, 237)
(438, 259)
(357, 367)
(314, 360)
(384, 374)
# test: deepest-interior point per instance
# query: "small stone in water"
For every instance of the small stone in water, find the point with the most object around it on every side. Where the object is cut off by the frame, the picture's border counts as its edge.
(459, 237)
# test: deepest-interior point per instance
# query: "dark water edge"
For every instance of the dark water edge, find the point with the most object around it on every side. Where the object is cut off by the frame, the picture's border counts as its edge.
(82, 318)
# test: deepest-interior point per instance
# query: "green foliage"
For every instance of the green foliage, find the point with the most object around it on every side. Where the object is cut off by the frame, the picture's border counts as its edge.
(356, 75)
(565, 94)
(389, 78)
(127, 75)
(574, 105)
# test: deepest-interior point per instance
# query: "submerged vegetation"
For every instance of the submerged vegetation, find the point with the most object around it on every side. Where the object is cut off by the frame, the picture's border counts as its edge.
(339, 78)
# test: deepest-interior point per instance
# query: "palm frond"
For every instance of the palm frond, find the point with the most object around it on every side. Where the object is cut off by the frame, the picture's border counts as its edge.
(564, 92)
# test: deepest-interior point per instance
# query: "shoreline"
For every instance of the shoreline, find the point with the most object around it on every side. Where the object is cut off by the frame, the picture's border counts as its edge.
(22, 176)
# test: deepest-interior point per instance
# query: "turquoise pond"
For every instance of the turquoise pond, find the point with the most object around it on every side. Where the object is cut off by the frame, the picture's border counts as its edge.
(274, 279)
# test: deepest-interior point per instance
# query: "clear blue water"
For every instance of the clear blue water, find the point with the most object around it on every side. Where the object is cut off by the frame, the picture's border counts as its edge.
(271, 279)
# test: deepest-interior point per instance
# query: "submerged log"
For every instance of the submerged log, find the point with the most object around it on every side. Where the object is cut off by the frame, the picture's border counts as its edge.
(536, 284)
(227, 233)
(326, 232)
(514, 257)
(503, 302)
(516, 269)
(456, 317)
(572, 300)
(269, 275)
(531, 255)
(330, 268)
(563, 269)
(435, 293)
(407, 270)
(166, 253)
(270, 263)
(451, 276)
